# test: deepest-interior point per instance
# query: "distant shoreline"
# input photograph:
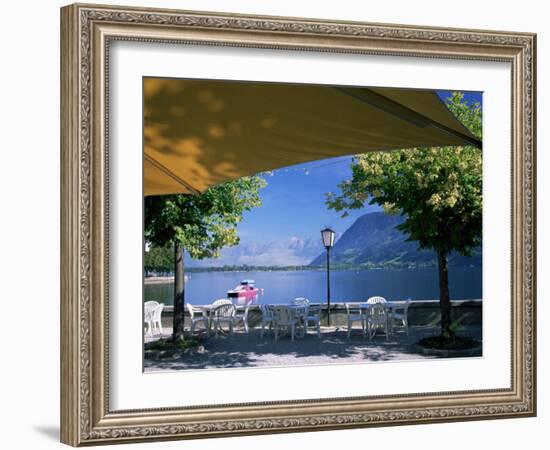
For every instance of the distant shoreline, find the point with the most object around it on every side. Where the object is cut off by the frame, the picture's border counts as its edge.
(158, 280)
(307, 268)
(189, 272)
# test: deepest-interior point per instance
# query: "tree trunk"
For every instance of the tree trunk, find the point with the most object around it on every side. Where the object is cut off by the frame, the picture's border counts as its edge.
(179, 294)
(444, 300)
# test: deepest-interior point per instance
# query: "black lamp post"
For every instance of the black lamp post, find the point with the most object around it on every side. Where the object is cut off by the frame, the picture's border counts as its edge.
(328, 241)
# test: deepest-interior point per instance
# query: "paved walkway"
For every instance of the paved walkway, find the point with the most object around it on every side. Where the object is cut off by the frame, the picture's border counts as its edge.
(249, 350)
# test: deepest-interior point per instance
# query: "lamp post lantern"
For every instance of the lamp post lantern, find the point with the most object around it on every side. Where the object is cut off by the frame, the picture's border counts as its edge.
(327, 235)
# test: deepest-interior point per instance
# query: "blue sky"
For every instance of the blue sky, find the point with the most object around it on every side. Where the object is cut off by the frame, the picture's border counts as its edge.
(293, 203)
(469, 97)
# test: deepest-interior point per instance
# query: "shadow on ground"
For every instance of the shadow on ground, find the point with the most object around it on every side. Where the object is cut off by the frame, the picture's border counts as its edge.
(250, 350)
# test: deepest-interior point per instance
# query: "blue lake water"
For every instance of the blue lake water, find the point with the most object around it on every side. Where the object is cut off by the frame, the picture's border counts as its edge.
(346, 285)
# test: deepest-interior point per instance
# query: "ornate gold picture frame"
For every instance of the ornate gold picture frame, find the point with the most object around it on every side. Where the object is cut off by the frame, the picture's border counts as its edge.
(87, 32)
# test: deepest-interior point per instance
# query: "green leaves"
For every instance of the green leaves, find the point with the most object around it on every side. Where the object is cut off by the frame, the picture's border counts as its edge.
(438, 189)
(203, 223)
(159, 259)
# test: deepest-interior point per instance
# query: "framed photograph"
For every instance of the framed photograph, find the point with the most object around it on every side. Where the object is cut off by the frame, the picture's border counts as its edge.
(277, 225)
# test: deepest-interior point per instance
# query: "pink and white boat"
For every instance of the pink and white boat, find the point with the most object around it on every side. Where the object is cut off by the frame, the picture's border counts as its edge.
(245, 292)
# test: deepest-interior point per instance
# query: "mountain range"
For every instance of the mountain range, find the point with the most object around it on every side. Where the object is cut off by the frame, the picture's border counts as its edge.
(373, 240)
(294, 251)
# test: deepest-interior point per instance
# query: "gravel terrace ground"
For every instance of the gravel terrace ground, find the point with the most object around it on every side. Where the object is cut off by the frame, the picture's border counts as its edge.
(249, 350)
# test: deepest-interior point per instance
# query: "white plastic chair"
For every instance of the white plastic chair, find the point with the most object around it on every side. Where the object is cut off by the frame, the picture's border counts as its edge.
(224, 313)
(377, 318)
(157, 318)
(209, 312)
(301, 304)
(376, 299)
(242, 316)
(148, 308)
(150, 304)
(268, 318)
(285, 317)
(198, 319)
(400, 314)
(313, 314)
(355, 313)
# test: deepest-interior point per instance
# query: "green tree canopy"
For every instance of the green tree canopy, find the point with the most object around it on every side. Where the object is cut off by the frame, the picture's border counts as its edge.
(438, 190)
(200, 224)
(159, 259)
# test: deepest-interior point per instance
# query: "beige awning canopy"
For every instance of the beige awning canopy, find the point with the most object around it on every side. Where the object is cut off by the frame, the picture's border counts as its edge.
(199, 133)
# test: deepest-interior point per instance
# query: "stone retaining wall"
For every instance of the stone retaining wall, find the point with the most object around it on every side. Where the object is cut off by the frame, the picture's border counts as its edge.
(421, 313)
